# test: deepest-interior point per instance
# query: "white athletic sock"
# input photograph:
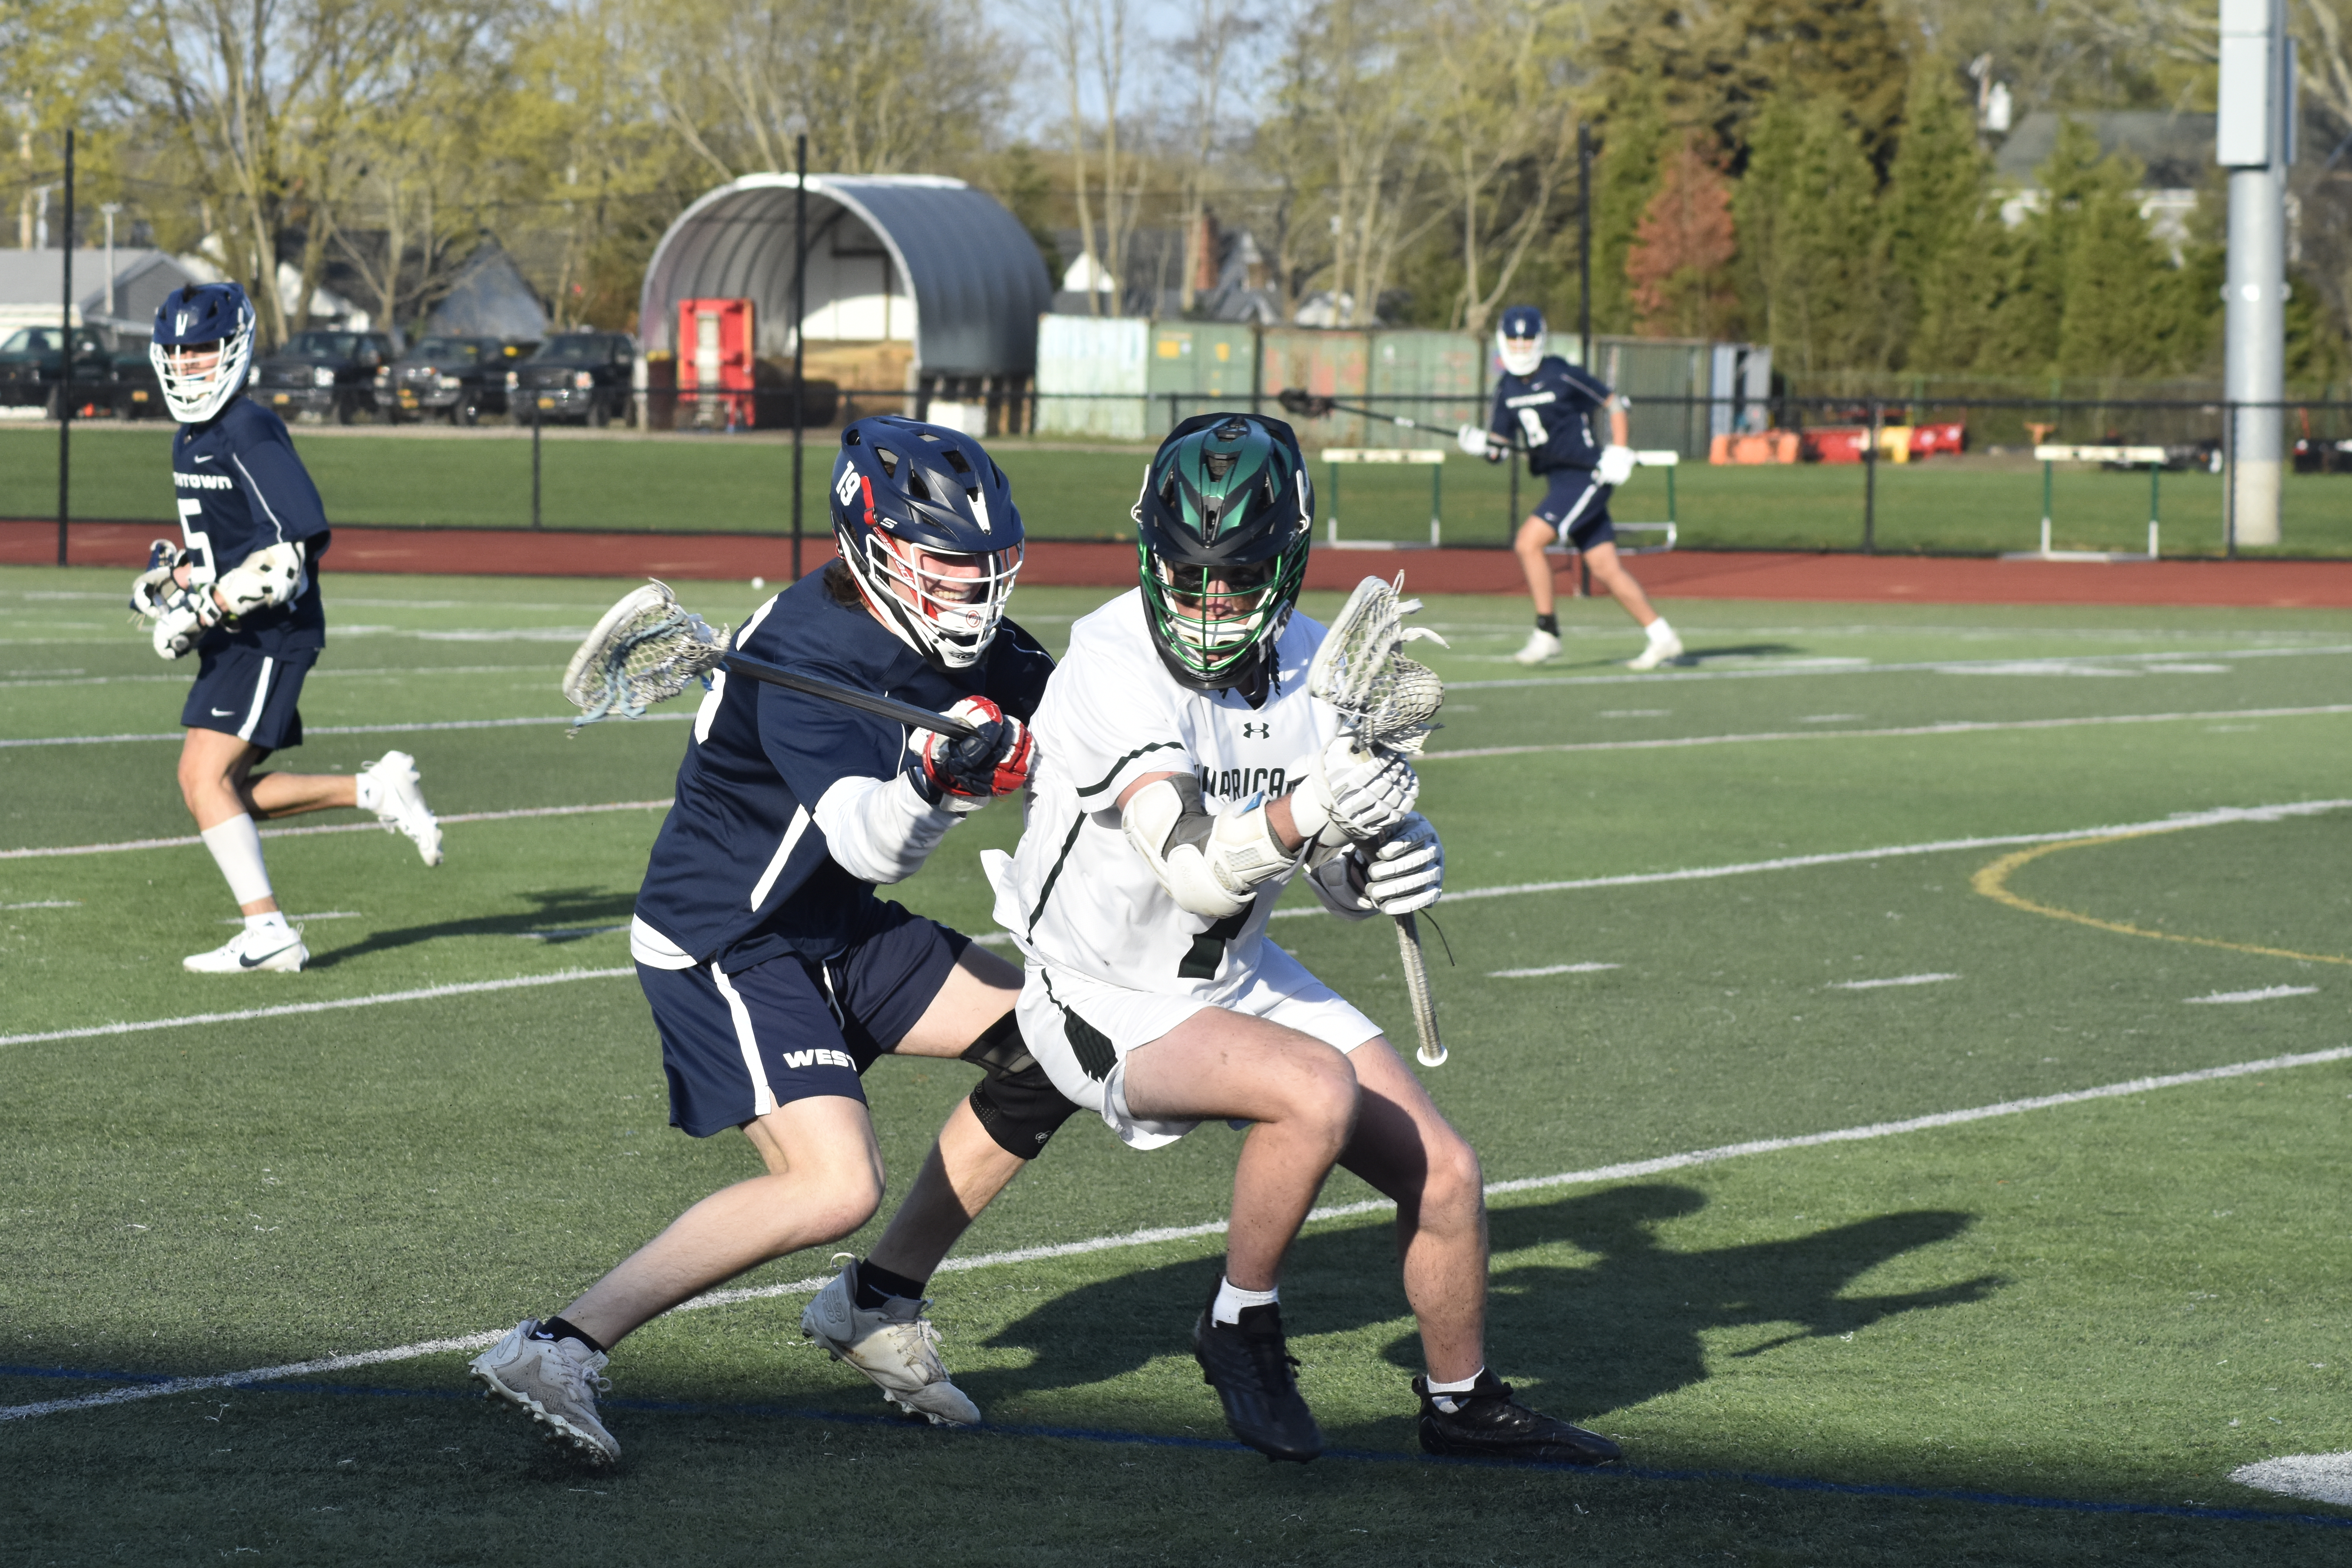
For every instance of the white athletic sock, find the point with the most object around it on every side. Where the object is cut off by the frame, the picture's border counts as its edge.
(237, 851)
(266, 920)
(1440, 1393)
(1232, 1299)
(371, 792)
(1658, 631)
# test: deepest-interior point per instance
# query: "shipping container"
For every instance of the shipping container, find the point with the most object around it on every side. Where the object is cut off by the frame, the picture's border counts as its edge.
(1325, 363)
(1091, 377)
(1200, 365)
(1440, 372)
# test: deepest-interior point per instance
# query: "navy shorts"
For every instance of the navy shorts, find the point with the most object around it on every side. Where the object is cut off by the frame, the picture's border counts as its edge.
(245, 692)
(1577, 507)
(735, 1046)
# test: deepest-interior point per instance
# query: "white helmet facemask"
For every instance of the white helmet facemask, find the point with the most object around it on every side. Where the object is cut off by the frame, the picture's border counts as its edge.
(1520, 355)
(196, 397)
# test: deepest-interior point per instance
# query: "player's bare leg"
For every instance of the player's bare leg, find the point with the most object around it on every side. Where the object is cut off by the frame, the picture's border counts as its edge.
(1534, 537)
(1407, 1151)
(1608, 569)
(1296, 1089)
(823, 1181)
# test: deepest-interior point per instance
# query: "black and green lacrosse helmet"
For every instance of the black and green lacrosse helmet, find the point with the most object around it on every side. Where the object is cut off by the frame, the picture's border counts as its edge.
(1220, 535)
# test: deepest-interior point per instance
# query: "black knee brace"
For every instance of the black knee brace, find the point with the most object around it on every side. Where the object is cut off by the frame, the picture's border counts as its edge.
(1017, 1102)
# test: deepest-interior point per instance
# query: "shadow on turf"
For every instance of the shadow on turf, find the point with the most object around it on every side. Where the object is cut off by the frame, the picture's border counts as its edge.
(1584, 1338)
(557, 906)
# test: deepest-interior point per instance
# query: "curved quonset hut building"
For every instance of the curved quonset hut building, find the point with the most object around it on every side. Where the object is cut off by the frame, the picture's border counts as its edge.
(916, 283)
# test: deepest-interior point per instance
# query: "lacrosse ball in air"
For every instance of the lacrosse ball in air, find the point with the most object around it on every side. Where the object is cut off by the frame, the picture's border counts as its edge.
(759, 581)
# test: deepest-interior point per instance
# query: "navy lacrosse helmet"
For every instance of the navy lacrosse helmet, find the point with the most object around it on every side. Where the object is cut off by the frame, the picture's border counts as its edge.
(1519, 339)
(927, 526)
(195, 317)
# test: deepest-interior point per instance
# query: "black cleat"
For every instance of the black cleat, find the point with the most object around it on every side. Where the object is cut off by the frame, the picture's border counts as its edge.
(1250, 1368)
(1486, 1423)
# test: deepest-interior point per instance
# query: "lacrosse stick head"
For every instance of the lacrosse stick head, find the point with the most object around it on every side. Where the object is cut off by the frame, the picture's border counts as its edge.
(646, 649)
(1385, 699)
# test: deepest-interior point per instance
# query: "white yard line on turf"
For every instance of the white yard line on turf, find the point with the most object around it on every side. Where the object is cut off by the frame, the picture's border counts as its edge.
(312, 730)
(120, 845)
(1953, 727)
(2267, 994)
(1817, 666)
(1551, 969)
(2220, 816)
(1626, 1171)
(1881, 985)
(181, 677)
(290, 1009)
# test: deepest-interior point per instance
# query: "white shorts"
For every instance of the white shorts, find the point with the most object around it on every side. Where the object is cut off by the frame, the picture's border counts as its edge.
(1082, 1030)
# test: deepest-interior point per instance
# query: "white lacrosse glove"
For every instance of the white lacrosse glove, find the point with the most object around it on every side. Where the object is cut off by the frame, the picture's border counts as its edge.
(1350, 795)
(182, 618)
(149, 589)
(1404, 870)
(1616, 465)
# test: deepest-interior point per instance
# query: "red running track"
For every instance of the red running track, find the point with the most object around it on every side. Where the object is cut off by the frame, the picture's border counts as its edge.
(1685, 574)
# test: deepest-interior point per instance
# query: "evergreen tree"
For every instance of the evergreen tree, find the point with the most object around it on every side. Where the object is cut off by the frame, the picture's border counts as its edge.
(1624, 179)
(1811, 252)
(1679, 264)
(1943, 235)
(1837, 49)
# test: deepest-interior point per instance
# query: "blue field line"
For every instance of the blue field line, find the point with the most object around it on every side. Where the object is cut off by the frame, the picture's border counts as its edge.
(1117, 1438)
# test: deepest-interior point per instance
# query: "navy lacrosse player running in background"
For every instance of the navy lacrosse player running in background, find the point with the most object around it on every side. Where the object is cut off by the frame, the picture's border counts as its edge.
(241, 593)
(776, 976)
(1546, 405)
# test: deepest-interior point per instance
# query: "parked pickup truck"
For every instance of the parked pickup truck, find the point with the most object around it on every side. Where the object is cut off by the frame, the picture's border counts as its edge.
(327, 372)
(32, 367)
(574, 375)
(459, 379)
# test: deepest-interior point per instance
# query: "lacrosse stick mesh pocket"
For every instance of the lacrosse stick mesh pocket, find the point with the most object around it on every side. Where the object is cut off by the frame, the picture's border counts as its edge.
(646, 649)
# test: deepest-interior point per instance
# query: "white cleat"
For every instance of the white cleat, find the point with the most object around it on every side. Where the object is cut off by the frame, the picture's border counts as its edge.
(279, 949)
(388, 788)
(893, 1344)
(1662, 650)
(557, 1381)
(1541, 645)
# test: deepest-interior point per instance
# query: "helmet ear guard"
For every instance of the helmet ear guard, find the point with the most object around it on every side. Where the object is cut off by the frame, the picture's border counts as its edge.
(926, 525)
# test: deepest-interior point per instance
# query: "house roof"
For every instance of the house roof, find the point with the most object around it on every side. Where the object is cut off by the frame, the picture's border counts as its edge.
(2176, 149)
(976, 279)
(31, 280)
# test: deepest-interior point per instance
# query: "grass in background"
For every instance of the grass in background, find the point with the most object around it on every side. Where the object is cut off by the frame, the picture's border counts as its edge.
(2115, 1301)
(1970, 505)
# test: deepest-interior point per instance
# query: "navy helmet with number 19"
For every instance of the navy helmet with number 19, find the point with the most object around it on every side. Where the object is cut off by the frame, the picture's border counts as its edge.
(202, 348)
(925, 524)
(1519, 339)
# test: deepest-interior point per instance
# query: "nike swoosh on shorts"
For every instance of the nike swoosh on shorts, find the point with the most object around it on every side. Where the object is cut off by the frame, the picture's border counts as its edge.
(223, 712)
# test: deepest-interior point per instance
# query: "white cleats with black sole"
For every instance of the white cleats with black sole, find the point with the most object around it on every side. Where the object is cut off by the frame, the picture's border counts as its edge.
(276, 948)
(893, 1344)
(557, 1381)
(388, 787)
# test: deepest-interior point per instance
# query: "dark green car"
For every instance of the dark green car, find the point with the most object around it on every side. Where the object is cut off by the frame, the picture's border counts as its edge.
(32, 369)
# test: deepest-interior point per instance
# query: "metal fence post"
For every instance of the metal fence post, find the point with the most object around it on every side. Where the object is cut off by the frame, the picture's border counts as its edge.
(65, 369)
(2230, 481)
(536, 420)
(1870, 485)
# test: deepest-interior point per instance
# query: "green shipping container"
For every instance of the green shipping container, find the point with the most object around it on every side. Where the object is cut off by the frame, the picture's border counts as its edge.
(1202, 365)
(1325, 363)
(1439, 371)
(1646, 372)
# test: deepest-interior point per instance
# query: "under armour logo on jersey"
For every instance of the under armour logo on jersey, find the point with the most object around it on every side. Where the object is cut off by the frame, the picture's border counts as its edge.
(1254, 731)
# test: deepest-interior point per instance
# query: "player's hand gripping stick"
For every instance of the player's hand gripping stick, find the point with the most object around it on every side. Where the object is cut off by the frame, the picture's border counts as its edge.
(964, 772)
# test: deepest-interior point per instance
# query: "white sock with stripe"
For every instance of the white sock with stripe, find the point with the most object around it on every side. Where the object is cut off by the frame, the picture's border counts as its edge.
(237, 851)
(1232, 1299)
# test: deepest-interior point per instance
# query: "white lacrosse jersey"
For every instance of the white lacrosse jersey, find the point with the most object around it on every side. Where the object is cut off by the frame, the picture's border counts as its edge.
(1076, 895)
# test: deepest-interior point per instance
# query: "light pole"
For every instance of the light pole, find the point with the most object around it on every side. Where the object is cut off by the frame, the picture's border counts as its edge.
(109, 209)
(2255, 141)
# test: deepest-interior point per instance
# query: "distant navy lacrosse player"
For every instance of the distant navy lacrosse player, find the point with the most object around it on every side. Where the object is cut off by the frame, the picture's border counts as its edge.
(1545, 404)
(241, 592)
(775, 974)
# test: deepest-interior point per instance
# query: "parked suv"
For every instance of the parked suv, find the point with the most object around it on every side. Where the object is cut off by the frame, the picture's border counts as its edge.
(329, 372)
(32, 367)
(460, 379)
(136, 392)
(574, 375)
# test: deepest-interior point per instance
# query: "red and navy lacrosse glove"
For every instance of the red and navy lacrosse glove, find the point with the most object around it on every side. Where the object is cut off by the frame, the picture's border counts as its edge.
(965, 772)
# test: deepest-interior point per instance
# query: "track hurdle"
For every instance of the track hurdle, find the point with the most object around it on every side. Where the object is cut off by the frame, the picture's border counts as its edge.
(2050, 456)
(1429, 457)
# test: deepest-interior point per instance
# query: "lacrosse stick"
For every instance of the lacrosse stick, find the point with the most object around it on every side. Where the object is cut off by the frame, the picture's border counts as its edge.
(649, 647)
(1308, 405)
(1387, 704)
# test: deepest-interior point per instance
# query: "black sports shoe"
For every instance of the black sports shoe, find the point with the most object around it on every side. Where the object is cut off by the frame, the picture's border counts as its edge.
(1250, 1368)
(1486, 1423)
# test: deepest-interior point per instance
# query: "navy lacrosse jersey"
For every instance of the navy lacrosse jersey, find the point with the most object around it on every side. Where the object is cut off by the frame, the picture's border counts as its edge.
(1549, 413)
(740, 873)
(240, 488)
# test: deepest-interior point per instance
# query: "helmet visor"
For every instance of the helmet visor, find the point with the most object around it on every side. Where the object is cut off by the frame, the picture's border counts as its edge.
(1215, 608)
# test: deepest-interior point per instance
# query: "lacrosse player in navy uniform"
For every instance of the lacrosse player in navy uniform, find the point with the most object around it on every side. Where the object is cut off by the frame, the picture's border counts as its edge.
(1185, 776)
(775, 974)
(1545, 404)
(241, 593)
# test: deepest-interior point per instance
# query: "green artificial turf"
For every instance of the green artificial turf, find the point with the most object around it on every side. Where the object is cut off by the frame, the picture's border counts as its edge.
(2110, 1302)
(615, 479)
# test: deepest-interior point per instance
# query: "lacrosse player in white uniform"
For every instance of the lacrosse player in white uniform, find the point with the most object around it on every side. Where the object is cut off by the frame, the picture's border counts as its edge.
(1185, 776)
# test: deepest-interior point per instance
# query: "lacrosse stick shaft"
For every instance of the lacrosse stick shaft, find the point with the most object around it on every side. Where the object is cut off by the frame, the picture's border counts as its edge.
(1398, 420)
(848, 696)
(1432, 1053)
